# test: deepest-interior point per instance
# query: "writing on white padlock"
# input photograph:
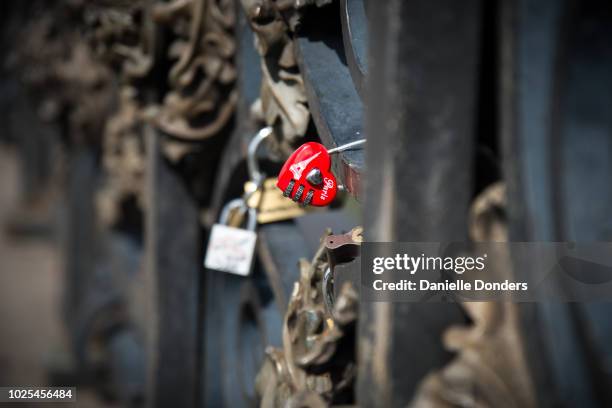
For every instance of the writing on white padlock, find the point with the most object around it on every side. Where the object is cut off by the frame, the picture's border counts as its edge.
(232, 249)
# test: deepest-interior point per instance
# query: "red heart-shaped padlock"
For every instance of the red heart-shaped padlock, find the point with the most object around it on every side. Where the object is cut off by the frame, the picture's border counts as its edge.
(306, 176)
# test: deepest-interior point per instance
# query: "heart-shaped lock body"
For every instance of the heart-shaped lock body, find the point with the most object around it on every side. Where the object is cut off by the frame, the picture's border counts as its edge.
(306, 176)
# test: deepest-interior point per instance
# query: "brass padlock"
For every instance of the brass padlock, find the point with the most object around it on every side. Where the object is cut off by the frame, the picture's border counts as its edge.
(270, 203)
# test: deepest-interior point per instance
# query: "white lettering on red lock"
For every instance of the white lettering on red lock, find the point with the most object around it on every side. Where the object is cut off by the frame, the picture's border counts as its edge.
(328, 184)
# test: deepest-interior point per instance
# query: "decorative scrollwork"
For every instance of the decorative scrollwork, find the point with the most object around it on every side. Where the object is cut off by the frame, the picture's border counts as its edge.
(283, 102)
(199, 64)
(121, 34)
(316, 366)
(202, 98)
(66, 82)
(123, 159)
(490, 368)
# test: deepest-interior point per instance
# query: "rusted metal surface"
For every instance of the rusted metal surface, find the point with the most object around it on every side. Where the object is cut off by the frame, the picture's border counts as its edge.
(345, 247)
(344, 266)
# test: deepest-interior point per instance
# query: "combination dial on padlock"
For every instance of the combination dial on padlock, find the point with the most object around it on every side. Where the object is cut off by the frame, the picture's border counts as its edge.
(306, 176)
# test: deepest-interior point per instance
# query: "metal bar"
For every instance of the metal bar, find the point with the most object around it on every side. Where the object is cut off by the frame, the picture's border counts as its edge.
(421, 99)
(355, 37)
(334, 103)
(346, 146)
(173, 269)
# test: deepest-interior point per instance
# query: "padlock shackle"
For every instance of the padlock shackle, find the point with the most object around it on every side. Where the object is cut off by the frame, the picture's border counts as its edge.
(251, 223)
(253, 167)
(239, 203)
(227, 208)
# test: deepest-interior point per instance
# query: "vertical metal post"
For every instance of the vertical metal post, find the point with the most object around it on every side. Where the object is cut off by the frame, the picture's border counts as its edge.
(421, 99)
(173, 268)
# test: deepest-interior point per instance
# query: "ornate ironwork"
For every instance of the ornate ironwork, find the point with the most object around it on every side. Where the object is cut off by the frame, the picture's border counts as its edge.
(67, 83)
(202, 98)
(122, 35)
(316, 366)
(123, 159)
(490, 368)
(283, 102)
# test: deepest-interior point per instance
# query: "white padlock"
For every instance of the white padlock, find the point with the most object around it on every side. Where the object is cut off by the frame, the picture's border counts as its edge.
(232, 249)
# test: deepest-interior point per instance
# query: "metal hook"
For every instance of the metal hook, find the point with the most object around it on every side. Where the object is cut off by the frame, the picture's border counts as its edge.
(231, 205)
(239, 204)
(328, 291)
(255, 174)
(346, 146)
